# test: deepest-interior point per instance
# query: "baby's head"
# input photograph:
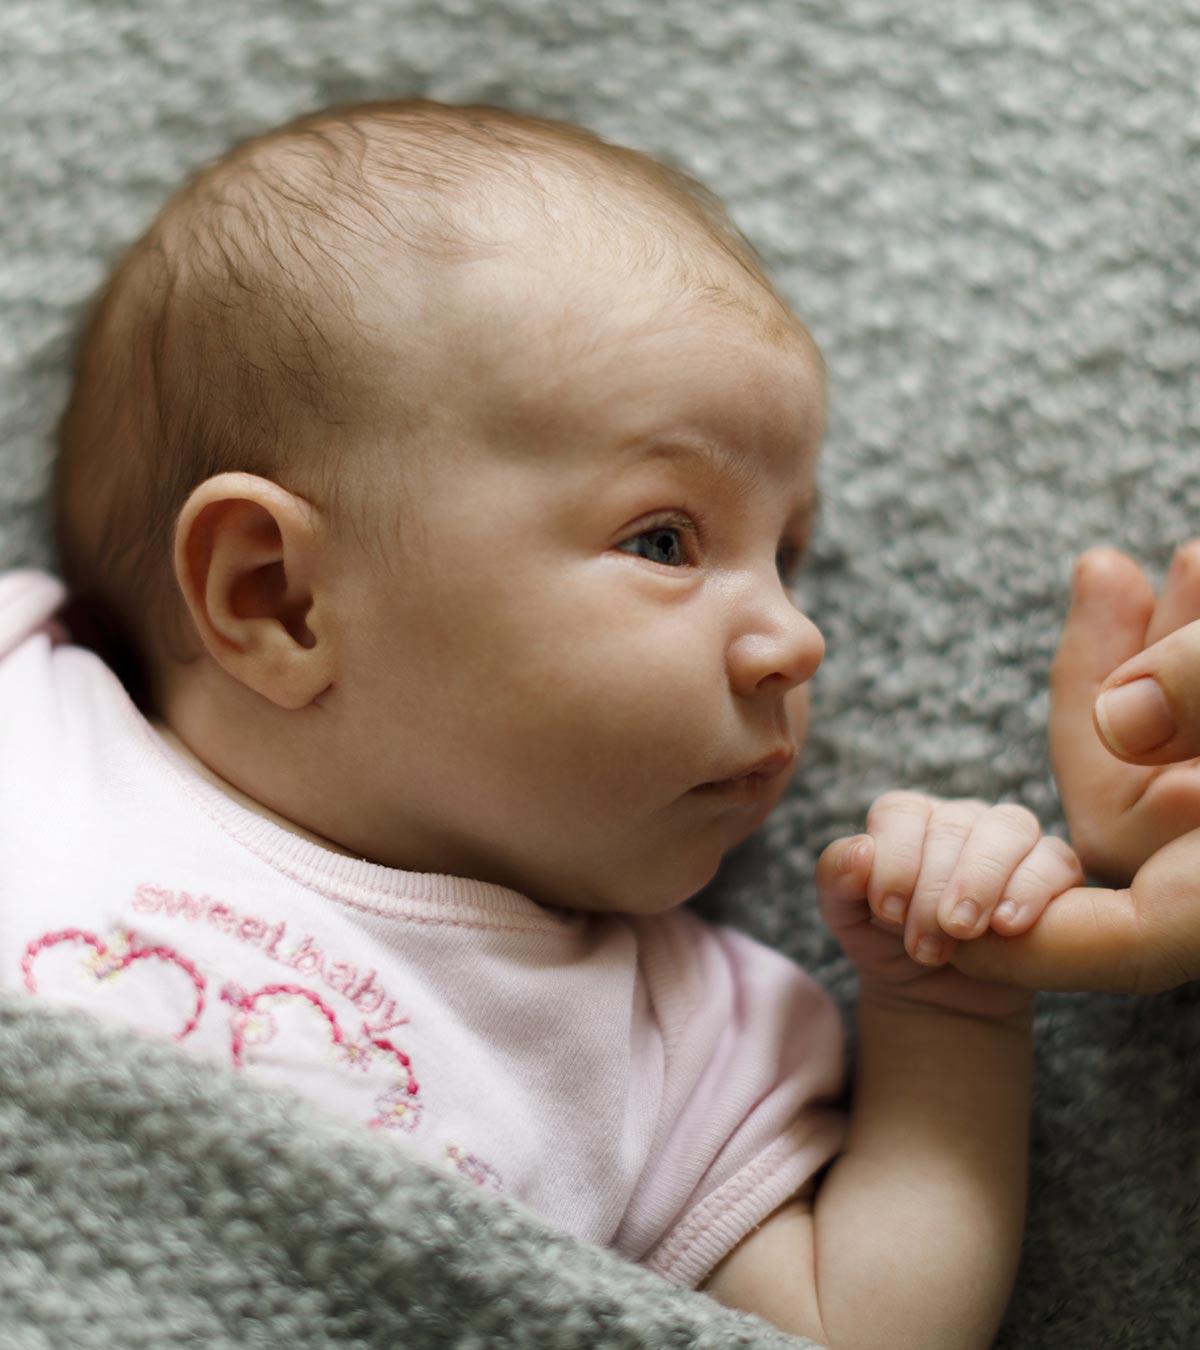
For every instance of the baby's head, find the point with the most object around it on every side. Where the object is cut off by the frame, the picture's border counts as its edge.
(432, 468)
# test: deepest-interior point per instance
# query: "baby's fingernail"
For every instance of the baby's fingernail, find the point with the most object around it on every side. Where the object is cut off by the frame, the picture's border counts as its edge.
(1006, 911)
(1134, 717)
(929, 951)
(860, 853)
(965, 915)
(892, 907)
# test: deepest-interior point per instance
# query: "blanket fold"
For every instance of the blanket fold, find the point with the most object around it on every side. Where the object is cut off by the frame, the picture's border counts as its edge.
(149, 1199)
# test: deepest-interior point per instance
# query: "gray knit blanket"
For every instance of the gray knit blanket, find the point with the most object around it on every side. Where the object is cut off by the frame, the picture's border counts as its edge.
(986, 212)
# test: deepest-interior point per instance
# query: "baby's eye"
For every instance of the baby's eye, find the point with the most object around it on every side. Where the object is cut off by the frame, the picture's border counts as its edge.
(665, 542)
(666, 547)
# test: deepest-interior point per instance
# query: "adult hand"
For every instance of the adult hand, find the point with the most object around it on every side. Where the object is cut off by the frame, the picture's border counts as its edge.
(1125, 708)
(1124, 736)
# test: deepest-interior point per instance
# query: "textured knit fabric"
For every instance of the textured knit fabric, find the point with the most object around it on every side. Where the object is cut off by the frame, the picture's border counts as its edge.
(149, 1199)
(986, 212)
(655, 1084)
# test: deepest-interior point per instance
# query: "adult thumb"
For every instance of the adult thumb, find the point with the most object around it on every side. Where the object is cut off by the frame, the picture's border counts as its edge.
(1148, 710)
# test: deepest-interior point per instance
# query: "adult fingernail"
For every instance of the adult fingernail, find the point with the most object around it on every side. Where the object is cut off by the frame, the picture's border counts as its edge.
(1134, 718)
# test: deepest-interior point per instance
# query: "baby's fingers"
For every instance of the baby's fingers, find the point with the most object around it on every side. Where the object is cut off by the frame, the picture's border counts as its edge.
(999, 841)
(896, 822)
(843, 868)
(841, 876)
(1051, 868)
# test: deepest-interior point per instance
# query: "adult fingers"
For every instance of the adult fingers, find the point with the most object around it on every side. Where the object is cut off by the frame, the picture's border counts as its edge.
(1179, 600)
(1141, 940)
(1087, 939)
(1112, 602)
(1148, 710)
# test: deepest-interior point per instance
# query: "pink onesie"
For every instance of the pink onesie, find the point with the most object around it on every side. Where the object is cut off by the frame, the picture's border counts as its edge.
(657, 1085)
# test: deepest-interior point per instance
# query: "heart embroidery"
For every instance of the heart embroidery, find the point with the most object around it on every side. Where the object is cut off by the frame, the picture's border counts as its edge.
(255, 1023)
(108, 960)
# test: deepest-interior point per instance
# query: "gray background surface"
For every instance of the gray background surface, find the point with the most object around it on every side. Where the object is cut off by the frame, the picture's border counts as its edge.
(986, 212)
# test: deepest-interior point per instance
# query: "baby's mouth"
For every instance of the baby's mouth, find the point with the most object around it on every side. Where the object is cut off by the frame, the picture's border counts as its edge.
(753, 783)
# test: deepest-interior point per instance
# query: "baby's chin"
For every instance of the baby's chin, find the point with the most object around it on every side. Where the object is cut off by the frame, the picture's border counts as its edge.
(636, 888)
(658, 877)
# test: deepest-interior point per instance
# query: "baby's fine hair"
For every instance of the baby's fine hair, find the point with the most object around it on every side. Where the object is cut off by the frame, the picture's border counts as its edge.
(219, 340)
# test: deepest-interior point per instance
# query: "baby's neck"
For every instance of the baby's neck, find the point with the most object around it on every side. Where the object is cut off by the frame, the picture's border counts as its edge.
(184, 752)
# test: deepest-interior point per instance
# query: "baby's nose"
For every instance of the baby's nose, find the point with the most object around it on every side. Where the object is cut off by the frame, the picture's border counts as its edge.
(806, 649)
(789, 649)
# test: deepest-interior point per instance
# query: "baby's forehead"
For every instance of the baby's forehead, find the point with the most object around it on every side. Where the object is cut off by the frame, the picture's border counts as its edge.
(560, 329)
(740, 415)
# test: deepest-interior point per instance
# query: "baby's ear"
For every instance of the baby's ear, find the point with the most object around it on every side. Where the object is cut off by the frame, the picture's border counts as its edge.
(248, 558)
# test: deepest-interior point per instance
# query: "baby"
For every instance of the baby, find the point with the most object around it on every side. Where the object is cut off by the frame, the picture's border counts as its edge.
(432, 484)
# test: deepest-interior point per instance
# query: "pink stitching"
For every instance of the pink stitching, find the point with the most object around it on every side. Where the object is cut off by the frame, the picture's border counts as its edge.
(394, 1105)
(702, 1219)
(117, 961)
(218, 812)
(306, 956)
(474, 1168)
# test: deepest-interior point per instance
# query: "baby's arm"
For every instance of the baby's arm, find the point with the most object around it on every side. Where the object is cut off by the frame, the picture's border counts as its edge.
(915, 1233)
(913, 1237)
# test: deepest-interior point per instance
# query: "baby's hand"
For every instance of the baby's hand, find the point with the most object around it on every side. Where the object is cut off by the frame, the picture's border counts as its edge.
(929, 873)
(949, 870)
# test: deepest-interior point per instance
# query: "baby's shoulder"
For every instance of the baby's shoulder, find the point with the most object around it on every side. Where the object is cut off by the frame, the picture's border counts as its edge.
(29, 599)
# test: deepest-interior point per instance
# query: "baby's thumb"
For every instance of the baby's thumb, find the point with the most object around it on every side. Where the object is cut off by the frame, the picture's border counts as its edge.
(844, 868)
(1148, 710)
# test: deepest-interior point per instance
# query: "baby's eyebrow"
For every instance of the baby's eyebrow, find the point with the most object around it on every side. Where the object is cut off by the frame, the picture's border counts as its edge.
(719, 460)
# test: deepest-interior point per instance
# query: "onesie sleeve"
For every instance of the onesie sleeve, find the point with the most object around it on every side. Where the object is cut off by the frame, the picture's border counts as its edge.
(753, 1069)
(28, 601)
